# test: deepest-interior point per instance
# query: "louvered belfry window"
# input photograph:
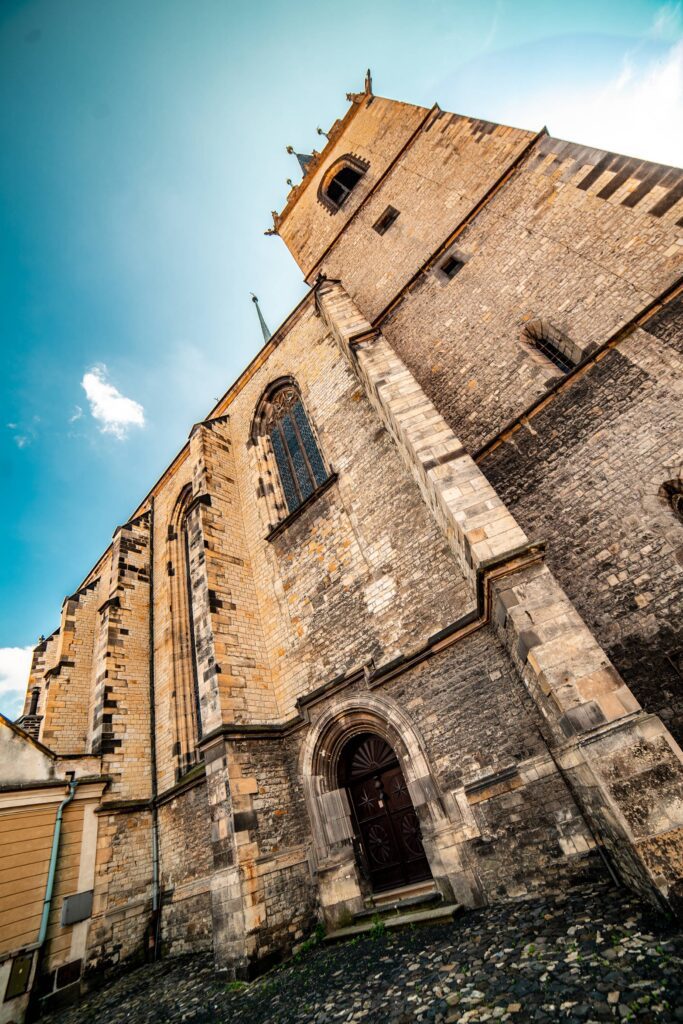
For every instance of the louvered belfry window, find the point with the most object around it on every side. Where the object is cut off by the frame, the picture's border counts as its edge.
(297, 455)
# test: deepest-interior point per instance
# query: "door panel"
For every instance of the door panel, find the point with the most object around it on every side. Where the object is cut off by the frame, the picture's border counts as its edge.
(387, 824)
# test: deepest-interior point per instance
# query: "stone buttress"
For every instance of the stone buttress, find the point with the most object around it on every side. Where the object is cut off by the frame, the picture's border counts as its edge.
(622, 764)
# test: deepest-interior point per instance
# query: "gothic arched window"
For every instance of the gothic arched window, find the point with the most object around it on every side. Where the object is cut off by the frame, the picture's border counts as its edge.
(291, 464)
(185, 677)
(298, 459)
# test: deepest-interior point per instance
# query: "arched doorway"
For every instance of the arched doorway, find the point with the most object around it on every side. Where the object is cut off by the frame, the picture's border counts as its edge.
(386, 825)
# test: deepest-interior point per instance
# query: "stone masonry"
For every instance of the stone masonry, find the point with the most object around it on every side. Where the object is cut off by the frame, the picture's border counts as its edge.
(439, 512)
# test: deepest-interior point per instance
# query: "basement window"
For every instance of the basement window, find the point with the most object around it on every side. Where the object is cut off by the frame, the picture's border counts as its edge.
(671, 493)
(451, 267)
(386, 220)
(552, 344)
(554, 354)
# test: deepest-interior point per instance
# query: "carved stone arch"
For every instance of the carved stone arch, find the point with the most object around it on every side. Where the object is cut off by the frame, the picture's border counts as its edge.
(660, 496)
(354, 163)
(259, 422)
(442, 822)
(671, 496)
(179, 509)
(185, 683)
(356, 714)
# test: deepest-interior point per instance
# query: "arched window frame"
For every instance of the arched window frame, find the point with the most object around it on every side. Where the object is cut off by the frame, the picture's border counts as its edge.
(185, 677)
(671, 496)
(348, 160)
(551, 345)
(273, 489)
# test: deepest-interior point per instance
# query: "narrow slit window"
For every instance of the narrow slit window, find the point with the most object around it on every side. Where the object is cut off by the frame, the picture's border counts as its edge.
(451, 267)
(386, 220)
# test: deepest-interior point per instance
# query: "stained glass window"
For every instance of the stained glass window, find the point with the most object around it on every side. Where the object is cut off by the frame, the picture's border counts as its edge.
(297, 455)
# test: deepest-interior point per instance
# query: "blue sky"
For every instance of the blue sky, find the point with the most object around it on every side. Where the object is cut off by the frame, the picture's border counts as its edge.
(142, 146)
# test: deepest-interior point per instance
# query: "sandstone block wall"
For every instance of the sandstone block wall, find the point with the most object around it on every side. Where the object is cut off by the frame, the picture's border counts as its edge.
(521, 828)
(542, 247)
(586, 474)
(452, 164)
(186, 866)
(345, 581)
(374, 130)
(522, 747)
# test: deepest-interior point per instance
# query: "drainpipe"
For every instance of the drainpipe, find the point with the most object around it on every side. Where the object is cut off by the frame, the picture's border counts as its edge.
(156, 912)
(38, 945)
(54, 853)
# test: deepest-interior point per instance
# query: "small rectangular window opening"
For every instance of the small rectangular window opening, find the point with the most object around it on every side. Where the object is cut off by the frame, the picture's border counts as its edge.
(386, 220)
(555, 355)
(451, 267)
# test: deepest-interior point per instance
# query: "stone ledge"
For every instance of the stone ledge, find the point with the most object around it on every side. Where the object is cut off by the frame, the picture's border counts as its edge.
(437, 916)
(285, 523)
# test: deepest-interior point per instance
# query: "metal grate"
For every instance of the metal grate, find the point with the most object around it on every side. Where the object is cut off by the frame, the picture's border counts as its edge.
(554, 354)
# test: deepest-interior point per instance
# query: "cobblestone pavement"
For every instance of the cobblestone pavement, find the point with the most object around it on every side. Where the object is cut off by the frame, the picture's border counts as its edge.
(589, 955)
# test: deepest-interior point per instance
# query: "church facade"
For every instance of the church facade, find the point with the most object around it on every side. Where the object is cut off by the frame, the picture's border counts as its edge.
(405, 610)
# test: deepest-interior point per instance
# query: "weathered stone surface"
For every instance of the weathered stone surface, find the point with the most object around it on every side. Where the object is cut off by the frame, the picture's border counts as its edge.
(575, 957)
(379, 567)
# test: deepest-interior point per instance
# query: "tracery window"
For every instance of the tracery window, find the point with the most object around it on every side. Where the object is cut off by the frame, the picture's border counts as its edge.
(298, 458)
(286, 452)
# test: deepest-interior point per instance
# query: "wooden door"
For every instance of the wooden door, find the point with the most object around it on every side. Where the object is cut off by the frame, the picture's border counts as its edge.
(386, 822)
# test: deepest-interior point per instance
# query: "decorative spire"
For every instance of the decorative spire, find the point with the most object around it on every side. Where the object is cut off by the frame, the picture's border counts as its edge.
(356, 97)
(303, 158)
(264, 325)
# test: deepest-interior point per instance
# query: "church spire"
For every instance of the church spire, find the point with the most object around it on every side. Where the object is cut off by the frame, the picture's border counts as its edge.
(303, 158)
(264, 326)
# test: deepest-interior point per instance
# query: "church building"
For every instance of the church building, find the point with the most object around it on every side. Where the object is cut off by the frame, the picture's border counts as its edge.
(401, 622)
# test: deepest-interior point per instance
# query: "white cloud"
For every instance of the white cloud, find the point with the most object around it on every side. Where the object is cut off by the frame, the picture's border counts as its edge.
(115, 413)
(76, 414)
(667, 20)
(15, 664)
(635, 113)
(20, 437)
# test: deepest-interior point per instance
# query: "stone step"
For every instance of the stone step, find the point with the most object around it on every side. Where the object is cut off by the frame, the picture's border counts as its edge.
(400, 905)
(435, 915)
(401, 893)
